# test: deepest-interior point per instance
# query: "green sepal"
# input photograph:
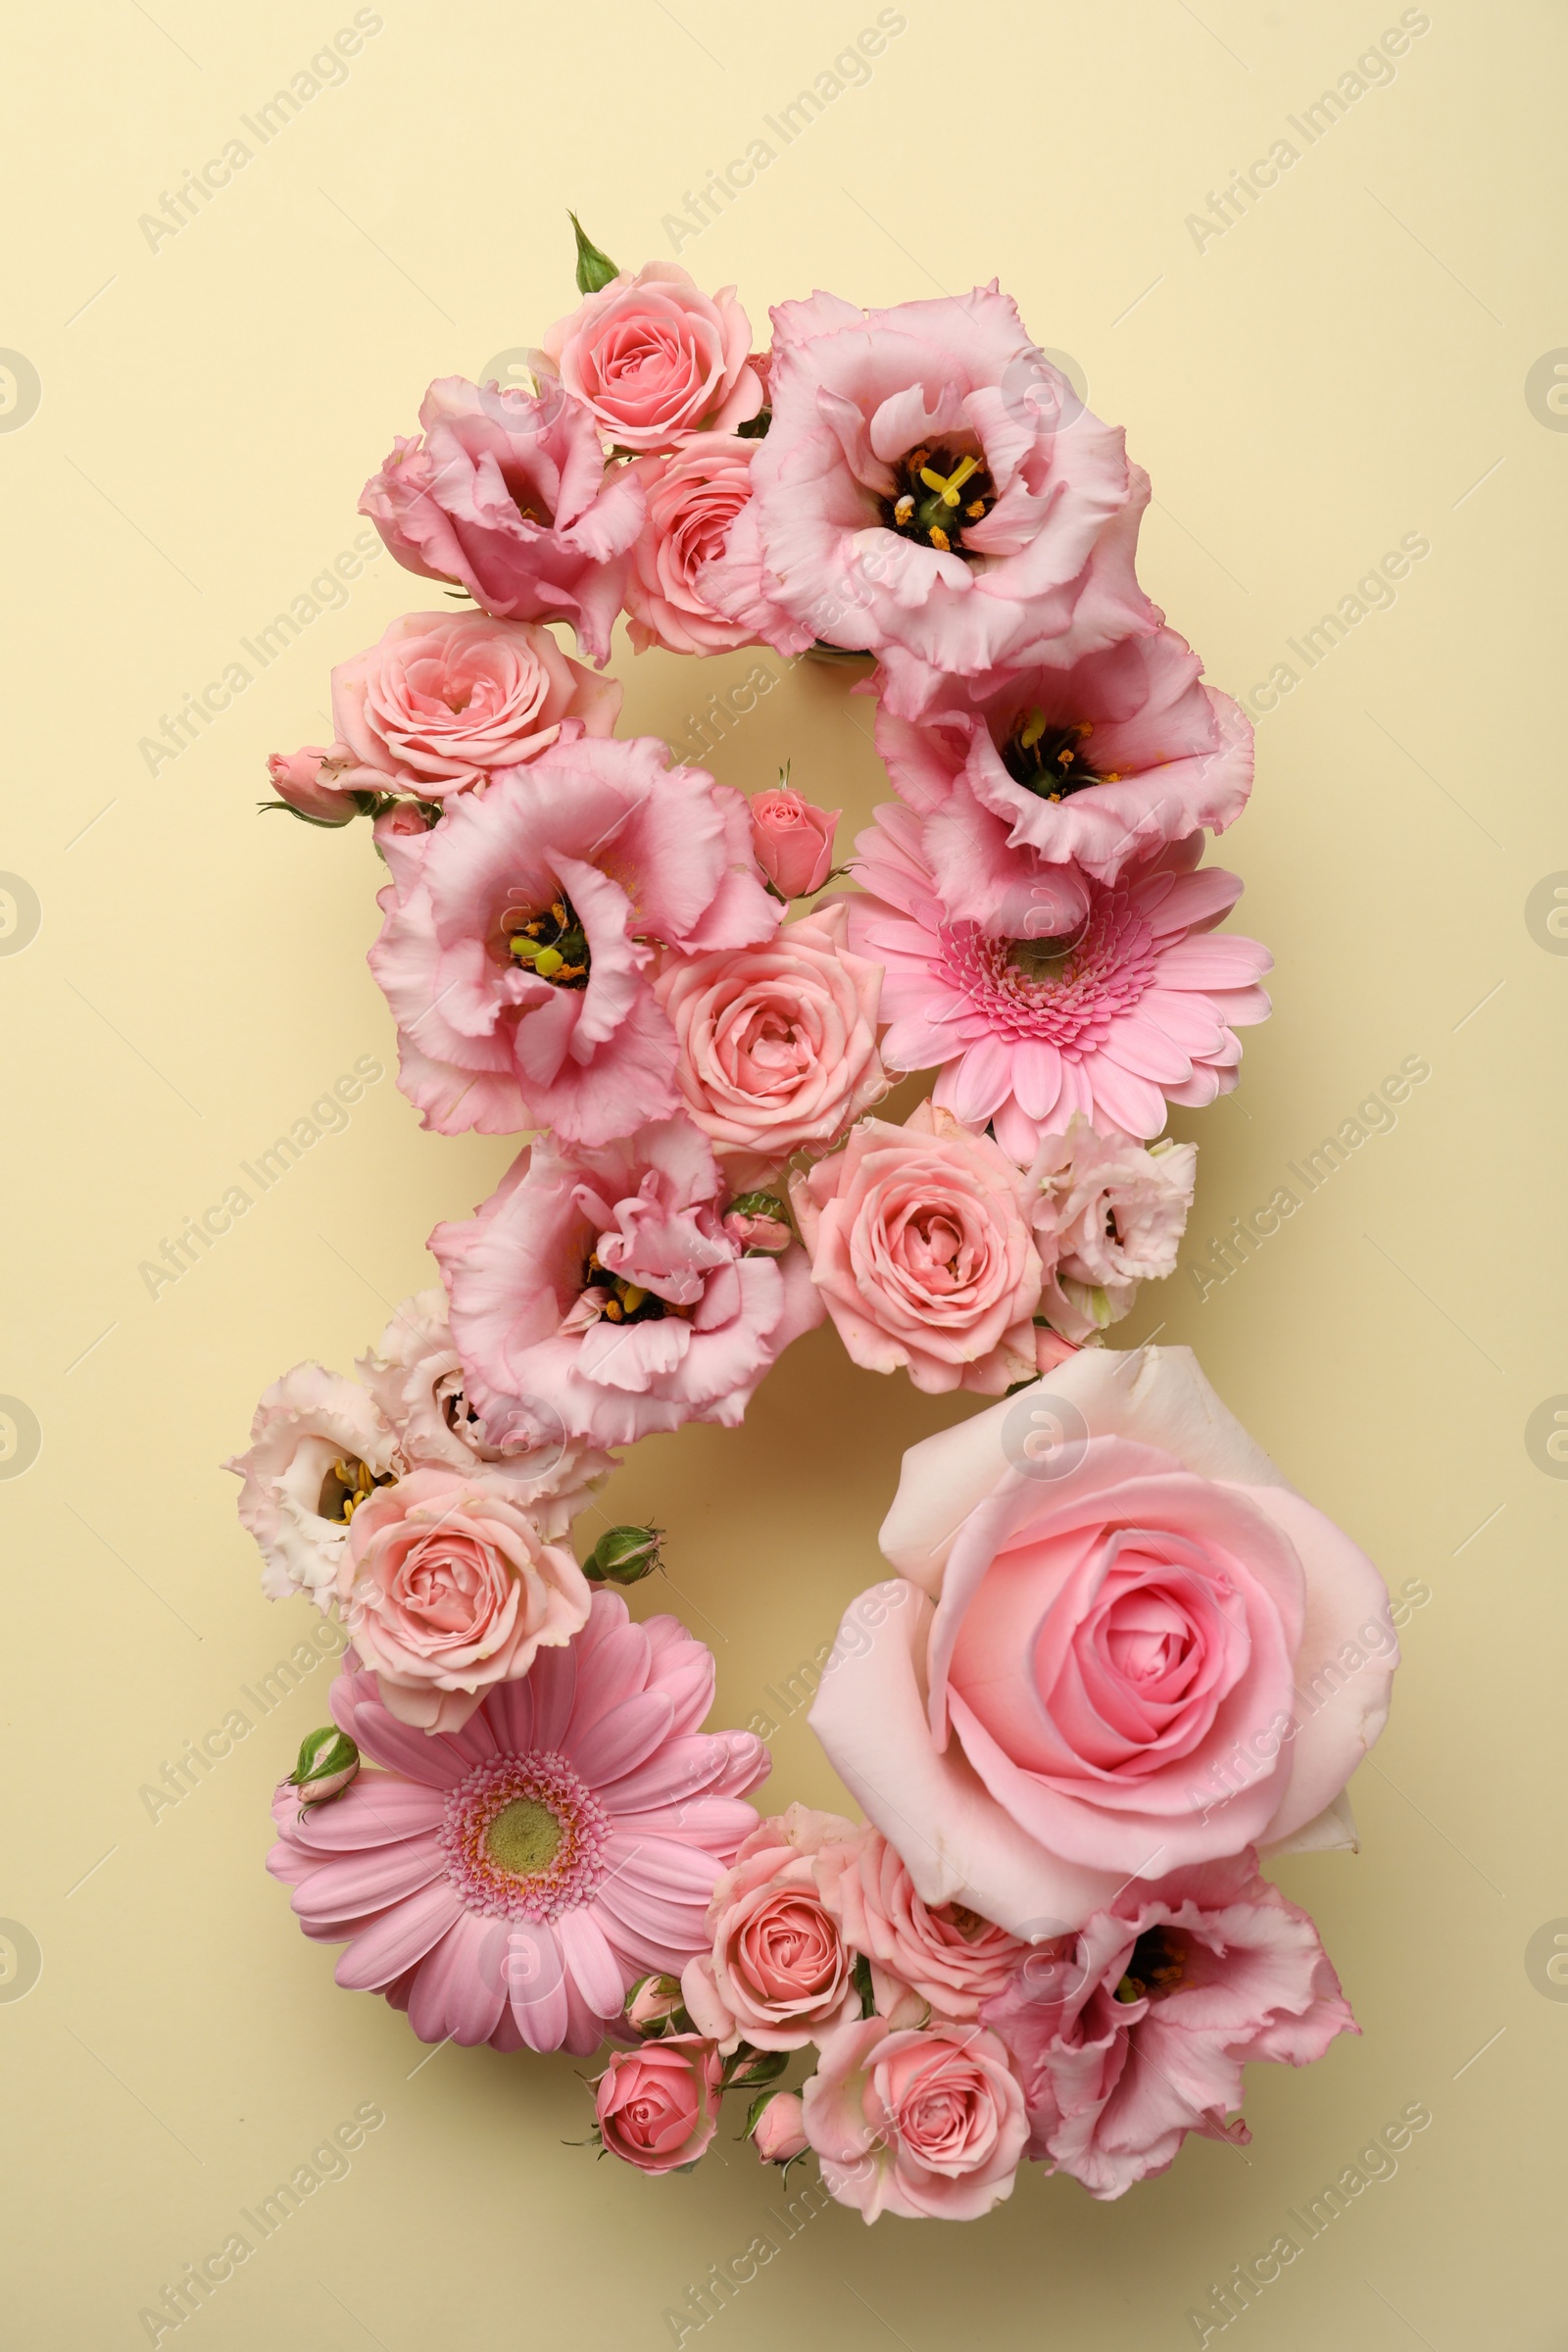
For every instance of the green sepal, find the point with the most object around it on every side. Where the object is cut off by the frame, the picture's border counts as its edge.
(860, 1978)
(594, 269)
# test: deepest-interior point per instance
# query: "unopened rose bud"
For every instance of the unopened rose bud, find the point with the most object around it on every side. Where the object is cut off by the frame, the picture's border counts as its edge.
(777, 2126)
(793, 841)
(758, 1221)
(654, 2004)
(328, 1762)
(306, 782)
(623, 1555)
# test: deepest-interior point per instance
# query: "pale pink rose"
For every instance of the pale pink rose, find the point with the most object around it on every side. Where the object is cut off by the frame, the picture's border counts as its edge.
(779, 1973)
(747, 1231)
(308, 781)
(952, 1958)
(446, 1589)
(1032, 559)
(1108, 1216)
(507, 494)
(446, 698)
(658, 2105)
(517, 949)
(919, 2121)
(693, 496)
(1098, 764)
(598, 1293)
(318, 1441)
(920, 1246)
(793, 841)
(651, 357)
(1119, 1644)
(780, 2133)
(1138, 2034)
(416, 1376)
(777, 1044)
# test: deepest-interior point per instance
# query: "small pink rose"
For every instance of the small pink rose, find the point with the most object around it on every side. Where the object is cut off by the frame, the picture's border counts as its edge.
(770, 1234)
(793, 841)
(780, 2134)
(694, 496)
(779, 1971)
(651, 357)
(306, 781)
(949, 1956)
(652, 2004)
(915, 2122)
(658, 2106)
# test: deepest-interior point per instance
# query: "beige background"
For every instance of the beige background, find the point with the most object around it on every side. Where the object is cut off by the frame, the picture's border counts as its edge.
(1345, 364)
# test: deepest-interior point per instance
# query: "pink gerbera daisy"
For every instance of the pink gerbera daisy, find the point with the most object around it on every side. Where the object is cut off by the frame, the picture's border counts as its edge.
(509, 1882)
(1135, 1009)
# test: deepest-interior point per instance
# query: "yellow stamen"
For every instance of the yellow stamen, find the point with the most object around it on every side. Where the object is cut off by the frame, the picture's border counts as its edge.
(940, 539)
(949, 486)
(524, 948)
(632, 1295)
(1033, 731)
(903, 508)
(614, 1312)
(975, 509)
(548, 961)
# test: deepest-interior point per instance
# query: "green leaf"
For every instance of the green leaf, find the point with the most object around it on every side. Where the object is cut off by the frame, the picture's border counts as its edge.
(594, 269)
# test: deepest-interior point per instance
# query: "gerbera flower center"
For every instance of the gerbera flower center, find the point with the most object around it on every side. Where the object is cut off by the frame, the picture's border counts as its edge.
(937, 493)
(1158, 1966)
(524, 1838)
(552, 944)
(1050, 761)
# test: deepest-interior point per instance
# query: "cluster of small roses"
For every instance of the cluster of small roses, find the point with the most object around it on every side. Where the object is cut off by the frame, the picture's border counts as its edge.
(1080, 1713)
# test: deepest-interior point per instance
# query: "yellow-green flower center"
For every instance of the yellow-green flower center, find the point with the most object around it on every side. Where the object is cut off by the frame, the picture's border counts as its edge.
(523, 1837)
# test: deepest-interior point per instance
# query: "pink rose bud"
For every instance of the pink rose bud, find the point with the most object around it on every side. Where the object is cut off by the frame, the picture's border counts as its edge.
(758, 1221)
(653, 2003)
(793, 841)
(328, 1761)
(306, 781)
(780, 2131)
(623, 1555)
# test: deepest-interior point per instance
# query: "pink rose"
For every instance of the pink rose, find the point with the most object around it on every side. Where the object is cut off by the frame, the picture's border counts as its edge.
(310, 781)
(597, 1292)
(507, 495)
(778, 1975)
(1140, 2037)
(917, 2121)
(651, 357)
(949, 1957)
(693, 497)
(931, 490)
(750, 1230)
(318, 1444)
(448, 697)
(1099, 765)
(779, 2136)
(446, 1589)
(516, 954)
(658, 2105)
(1121, 1646)
(793, 841)
(654, 2004)
(777, 1044)
(1110, 1214)
(920, 1246)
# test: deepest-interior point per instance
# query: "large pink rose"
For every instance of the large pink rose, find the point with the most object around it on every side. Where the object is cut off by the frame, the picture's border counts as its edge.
(777, 1044)
(1121, 1644)
(507, 494)
(693, 496)
(931, 490)
(1100, 764)
(658, 2106)
(447, 1587)
(598, 1291)
(779, 1974)
(1137, 2034)
(517, 950)
(651, 357)
(949, 1957)
(448, 697)
(917, 2122)
(921, 1249)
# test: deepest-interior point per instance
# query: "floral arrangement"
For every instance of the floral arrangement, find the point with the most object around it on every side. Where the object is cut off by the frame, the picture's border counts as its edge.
(1117, 1656)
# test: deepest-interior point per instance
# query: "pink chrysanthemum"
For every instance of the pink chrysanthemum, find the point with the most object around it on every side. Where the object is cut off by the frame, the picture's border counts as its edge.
(1136, 1011)
(510, 1882)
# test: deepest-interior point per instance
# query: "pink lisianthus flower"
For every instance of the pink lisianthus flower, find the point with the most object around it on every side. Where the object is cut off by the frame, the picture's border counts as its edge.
(510, 1882)
(318, 1443)
(1140, 2035)
(931, 490)
(446, 1588)
(950, 1958)
(507, 494)
(1117, 1644)
(1099, 765)
(447, 698)
(415, 1376)
(1136, 1008)
(656, 2106)
(519, 944)
(652, 358)
(598, 1291)
(693, 497)
(922, 2121)
(920, 1245)
(778, 1974)
(793, 841)
(1108, 1214)
(777, 1044)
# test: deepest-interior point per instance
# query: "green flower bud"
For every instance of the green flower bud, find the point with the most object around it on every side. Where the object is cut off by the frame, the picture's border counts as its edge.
(328, 1762)
(594, 269)
(623, 1555)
